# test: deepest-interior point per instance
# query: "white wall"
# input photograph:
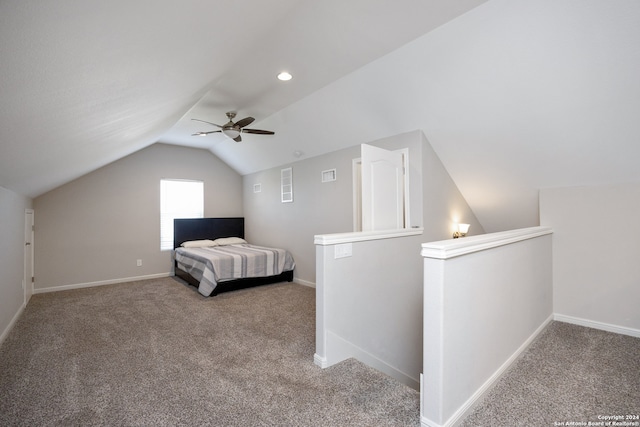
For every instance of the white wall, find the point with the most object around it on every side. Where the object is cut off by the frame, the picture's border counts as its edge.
(443, 204)
(92, 230)
(596, 273)
(499, 91)
(12, 211)
(485, 299)
(369, 305)
(319, 208)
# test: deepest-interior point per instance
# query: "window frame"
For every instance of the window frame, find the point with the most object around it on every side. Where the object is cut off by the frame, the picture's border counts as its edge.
(166, 218)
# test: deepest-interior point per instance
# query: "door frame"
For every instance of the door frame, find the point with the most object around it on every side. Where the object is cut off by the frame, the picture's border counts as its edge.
(28, 271)
(356, 170)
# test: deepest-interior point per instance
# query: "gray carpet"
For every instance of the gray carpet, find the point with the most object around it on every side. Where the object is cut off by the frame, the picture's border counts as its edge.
(156, 353)
(571, 375)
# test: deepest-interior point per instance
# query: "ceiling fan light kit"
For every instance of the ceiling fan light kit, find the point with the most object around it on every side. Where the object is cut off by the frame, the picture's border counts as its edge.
(233, 130)
(231, 133)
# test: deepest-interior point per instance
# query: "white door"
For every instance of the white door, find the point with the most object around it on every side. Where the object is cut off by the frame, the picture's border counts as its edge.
(28, 255)
(356, 167)
(383, 184)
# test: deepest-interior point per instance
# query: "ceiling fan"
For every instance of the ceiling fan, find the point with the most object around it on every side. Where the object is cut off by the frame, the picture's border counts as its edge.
(233, 130)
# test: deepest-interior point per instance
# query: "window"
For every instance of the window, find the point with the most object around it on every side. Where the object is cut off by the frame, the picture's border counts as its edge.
(286, 185)
(178, 199)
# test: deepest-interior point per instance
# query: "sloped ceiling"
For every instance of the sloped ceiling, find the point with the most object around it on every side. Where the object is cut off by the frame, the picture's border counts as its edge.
(513, 95)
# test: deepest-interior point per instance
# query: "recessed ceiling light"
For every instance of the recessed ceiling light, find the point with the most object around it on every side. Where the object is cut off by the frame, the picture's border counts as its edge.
(284, 76)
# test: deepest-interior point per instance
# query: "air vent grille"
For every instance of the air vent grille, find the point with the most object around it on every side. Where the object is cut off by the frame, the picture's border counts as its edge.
(329, 175)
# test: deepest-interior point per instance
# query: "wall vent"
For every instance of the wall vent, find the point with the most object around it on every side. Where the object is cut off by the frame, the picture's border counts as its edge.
(329, 175)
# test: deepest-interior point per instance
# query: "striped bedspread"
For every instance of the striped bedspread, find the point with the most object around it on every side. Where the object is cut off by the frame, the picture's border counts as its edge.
(211, 265)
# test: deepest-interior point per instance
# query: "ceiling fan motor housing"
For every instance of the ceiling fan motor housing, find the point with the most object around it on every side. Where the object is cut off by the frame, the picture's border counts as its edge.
(233, 130)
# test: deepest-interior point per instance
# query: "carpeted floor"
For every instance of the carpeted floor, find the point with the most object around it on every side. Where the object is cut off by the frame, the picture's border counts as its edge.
(157, 353)
(569, 376)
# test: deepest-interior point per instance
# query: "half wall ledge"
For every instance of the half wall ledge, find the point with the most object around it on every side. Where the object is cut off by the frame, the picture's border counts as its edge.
(486, 298)
(445, 249)
(362, 236)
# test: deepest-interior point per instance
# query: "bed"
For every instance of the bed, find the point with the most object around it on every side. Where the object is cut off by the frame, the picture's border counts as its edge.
(212, 255)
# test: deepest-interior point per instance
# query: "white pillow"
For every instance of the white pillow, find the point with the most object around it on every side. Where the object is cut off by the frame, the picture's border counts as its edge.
(229, 241)
(198, 243)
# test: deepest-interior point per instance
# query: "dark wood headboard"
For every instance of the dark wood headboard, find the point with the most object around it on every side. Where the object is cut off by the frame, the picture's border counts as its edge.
(206, 228)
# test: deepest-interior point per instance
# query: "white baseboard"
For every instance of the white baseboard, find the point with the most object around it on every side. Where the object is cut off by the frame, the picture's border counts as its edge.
(597, 325)
(99, 283)
(304, 282)
(476, 397)
(320, 361)
(341, 349)
(129, 279)
(11, 324)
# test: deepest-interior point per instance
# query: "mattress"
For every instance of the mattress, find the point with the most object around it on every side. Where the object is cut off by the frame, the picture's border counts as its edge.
(211, 265)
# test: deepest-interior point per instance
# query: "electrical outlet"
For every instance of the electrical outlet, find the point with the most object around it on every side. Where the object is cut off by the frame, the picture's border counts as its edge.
(343, 250)
(139, 263)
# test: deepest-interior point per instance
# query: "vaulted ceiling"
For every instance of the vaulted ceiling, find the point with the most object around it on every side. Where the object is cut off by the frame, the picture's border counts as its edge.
(513, 95)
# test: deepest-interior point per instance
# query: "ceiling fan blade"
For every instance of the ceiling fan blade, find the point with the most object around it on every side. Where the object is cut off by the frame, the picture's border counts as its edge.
(237, 138)
(204, 121)
(258, 131)
(244, 122)
(205, 133)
